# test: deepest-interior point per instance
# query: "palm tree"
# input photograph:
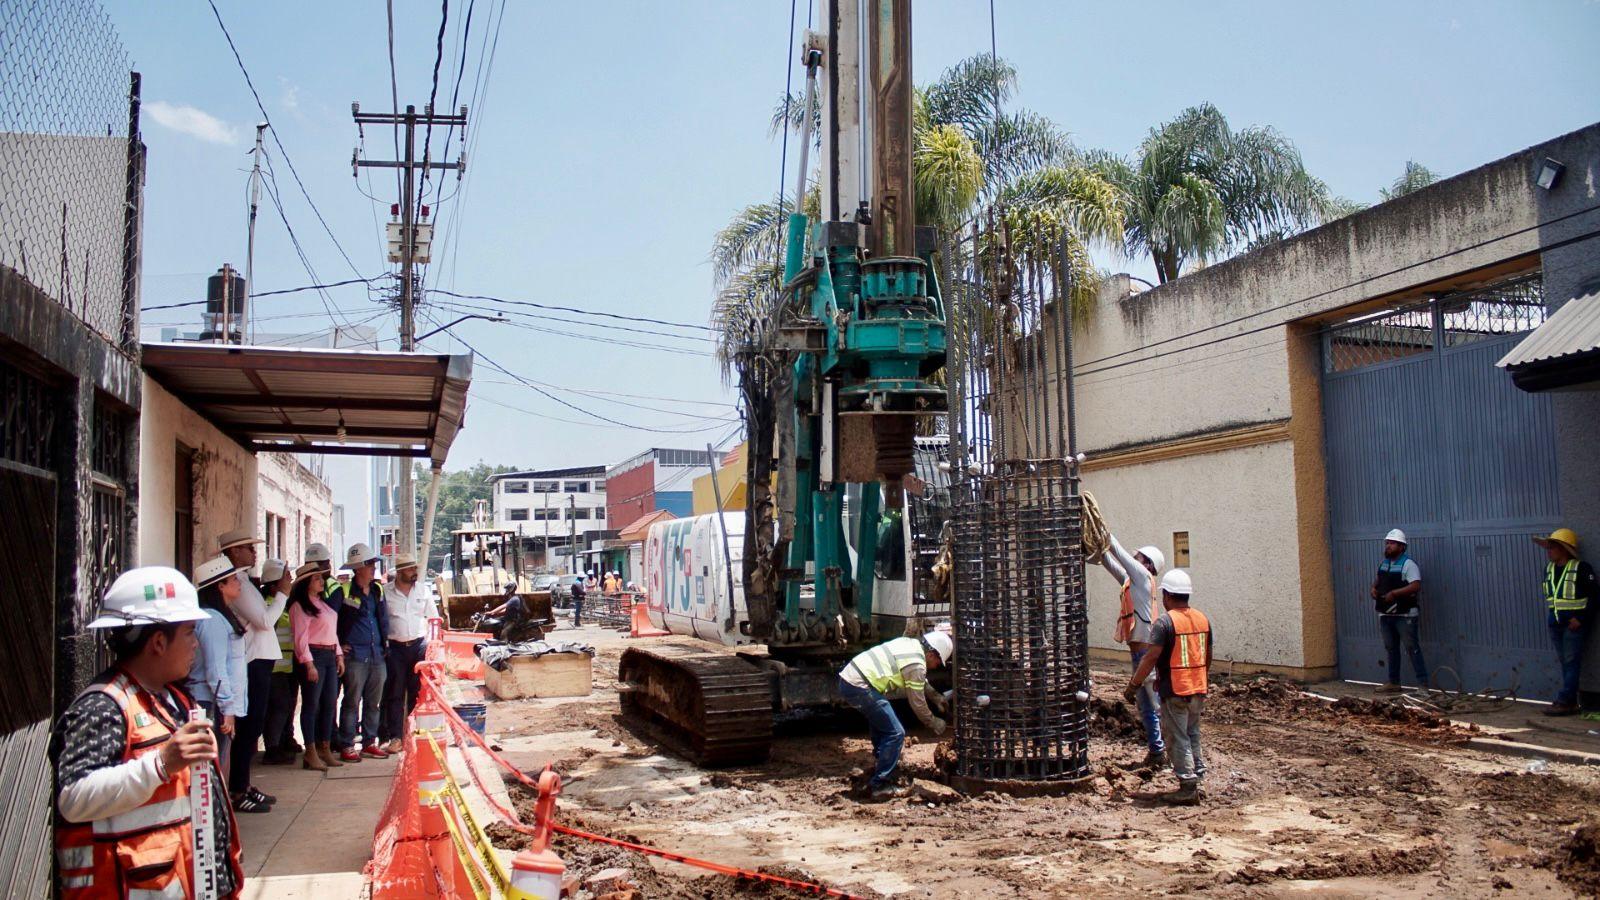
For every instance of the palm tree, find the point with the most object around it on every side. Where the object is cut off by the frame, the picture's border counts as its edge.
(1198, 189)
(1416, 177)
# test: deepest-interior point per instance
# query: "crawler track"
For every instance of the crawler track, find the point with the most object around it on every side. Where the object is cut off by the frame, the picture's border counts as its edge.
(714, 708)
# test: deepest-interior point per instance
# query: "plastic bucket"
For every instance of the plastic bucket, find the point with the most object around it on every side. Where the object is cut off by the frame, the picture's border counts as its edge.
(476, 715)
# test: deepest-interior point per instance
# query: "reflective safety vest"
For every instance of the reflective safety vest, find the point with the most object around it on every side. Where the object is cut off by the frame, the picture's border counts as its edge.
(884, 666)
(1125, 618)
(1186, 658)
(1561, 589)
(285, 632)
(148, 851)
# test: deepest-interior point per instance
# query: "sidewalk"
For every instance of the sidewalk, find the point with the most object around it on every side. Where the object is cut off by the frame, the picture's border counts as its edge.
(1518, 728)
(315, 841)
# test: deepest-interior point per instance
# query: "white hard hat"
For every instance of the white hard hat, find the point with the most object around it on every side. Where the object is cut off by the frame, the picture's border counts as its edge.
(150, 594)
(272, 570)
(1396, 535)
(1176, 581)
(942, 644)
(318, 552)
(359, 555)
(1156, 557)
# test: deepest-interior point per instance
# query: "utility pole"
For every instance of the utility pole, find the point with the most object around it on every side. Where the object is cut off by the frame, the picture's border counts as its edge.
(250, 246)
(572, 530)
(410, 244)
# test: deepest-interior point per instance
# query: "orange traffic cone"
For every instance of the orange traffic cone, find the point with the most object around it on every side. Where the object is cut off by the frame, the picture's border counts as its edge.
(641, 626)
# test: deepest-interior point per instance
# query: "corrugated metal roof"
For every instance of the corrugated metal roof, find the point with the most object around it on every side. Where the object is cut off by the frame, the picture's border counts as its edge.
(1575, 328)
(275, 398)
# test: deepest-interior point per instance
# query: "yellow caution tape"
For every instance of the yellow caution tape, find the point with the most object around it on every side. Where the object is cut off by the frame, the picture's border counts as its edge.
(475, 839)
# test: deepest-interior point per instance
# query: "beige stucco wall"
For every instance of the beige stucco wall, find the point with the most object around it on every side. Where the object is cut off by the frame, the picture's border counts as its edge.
(224, 478)
(288, 489)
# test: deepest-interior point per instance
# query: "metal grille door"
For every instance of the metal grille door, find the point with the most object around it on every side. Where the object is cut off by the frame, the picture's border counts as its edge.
(1425, 434)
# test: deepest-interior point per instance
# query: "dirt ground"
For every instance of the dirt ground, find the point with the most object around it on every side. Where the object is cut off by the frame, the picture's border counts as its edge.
(1356, 799)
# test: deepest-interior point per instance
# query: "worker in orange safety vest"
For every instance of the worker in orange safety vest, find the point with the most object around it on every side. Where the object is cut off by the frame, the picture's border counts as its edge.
(1181, 658)
(126, 753)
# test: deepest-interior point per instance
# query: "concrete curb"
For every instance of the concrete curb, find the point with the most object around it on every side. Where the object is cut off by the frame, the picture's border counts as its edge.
(1530, 751)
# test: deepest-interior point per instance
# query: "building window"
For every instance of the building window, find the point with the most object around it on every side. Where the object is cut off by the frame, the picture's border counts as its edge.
(546, 515)
(545, 487)
(515, 487)
(577, 487)
(517, 515)
(581, 512)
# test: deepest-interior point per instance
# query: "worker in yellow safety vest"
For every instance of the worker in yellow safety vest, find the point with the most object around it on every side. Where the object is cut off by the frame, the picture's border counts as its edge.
(890, 671)
(1569, 585)
(126, 753)
(1181, 656)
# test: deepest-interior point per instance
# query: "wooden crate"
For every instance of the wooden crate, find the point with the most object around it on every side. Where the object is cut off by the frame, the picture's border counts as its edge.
(551, 675)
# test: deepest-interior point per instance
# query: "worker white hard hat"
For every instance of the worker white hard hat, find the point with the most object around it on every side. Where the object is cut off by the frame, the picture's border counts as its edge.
(149, 595)
(272, 570)
(1156, 557)
(1396, 535)
(1176, 581)
(942, 644)
(318, 552)
(360, 555)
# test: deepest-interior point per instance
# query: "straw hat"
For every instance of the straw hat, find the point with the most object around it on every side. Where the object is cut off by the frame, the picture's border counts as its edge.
(236, 538)
(213, 570)
(307, 570)
(1566, 537)
(405, 561)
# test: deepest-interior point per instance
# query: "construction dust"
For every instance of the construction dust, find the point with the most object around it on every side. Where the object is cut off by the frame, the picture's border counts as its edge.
(1359, 798)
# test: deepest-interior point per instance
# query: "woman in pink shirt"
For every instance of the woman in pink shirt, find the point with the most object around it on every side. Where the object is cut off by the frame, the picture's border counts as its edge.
(320, 662)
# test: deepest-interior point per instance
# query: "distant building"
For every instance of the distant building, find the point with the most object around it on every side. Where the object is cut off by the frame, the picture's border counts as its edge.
(656, 479)
(553, 509)
(729, 483)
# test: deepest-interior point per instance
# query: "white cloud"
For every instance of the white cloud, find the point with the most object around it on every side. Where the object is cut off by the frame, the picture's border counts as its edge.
(291, 94)
(196, 123)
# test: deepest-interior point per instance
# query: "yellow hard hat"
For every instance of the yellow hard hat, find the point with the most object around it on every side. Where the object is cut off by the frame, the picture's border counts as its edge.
(1566, 537)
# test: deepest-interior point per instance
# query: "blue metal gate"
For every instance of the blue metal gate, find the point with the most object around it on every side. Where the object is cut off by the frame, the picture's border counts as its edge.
(1425, 434)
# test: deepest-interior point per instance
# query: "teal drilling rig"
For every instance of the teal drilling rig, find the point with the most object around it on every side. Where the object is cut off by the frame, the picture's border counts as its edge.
(833, 424)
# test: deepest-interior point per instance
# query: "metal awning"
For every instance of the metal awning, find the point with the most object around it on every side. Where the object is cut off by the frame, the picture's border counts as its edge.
(1564, 352)
(313, 400)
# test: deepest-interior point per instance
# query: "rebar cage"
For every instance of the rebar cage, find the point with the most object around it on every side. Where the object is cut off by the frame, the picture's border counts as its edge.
(1021, 672)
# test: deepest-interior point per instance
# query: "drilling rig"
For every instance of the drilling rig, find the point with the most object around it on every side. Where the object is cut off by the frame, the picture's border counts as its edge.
(861, 335)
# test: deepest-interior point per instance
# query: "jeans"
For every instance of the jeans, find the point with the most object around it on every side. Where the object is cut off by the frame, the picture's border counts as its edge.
(401, 688)
(1180, 721)
(224, 742)
(1395, 630)
(319, 699)
(282, 696)
(1149, 704)
(363, 696)
(888, 735)
(577, 611)
(1568, 645)
(247, 731)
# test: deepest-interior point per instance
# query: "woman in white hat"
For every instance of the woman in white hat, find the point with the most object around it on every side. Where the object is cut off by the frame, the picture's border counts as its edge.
(217, 679)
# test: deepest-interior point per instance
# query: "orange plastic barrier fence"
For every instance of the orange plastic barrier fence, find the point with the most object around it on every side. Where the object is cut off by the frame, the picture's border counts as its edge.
(460, 659)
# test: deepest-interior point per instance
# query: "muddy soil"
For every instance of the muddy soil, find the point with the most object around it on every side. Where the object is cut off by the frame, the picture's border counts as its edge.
(1356, 798)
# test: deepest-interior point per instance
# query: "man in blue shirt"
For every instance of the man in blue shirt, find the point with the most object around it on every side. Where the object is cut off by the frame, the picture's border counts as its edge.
(363, 633)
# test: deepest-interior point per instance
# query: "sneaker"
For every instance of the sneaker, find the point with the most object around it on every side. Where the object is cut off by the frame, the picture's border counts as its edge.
(885, 792)
(1390, 689)
(350, 754)
(375, 752)
(260, 796)
(247, 804)
(393, 747)
(1155, 759)
(1562, 709)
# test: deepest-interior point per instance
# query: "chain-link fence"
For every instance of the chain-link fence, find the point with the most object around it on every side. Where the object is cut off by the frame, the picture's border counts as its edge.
(69, 161)
(1511, 306)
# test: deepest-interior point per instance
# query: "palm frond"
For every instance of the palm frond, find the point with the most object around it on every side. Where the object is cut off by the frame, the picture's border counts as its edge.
(1416, 177)
(752, 238)
(970, 92)
(947, 175)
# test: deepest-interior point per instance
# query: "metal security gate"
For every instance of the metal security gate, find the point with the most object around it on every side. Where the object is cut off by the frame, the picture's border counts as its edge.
(1425, 434)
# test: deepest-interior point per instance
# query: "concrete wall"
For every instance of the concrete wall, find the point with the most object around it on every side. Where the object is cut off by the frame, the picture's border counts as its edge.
(286, 488)
(224, 479)
(1172, 381)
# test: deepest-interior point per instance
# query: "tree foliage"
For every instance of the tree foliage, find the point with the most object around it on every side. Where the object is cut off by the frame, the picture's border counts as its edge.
(458, 493)
(1415, 177)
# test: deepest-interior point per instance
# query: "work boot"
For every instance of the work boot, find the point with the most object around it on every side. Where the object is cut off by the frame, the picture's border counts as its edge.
(1390, 689)
(393, 747)
(1562, 709)
(885, 792)
(313, 760)
(1155, 759)
(328, 758)
(1187, 794)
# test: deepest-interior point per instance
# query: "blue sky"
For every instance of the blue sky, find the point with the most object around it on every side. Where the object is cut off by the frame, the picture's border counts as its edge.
(615, 138)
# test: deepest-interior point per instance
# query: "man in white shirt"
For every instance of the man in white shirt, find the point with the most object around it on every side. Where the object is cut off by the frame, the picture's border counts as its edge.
(411, 606)
(261, 651)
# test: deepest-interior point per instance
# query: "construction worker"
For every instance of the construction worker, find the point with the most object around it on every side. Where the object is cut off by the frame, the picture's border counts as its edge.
(1181, 658)
(1569, 587)
(126, 753)
(1137, 573)
(411, 608)
(894, 670)
(364, 637)
(1396, 590)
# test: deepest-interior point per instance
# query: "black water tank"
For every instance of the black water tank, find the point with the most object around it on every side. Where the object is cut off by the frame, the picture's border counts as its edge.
(235, 293)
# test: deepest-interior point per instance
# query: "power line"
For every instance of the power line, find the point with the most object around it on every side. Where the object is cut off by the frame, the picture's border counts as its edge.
(433, 96)
(277, 141)
(256, 295)
(569, 309)
(614, 342)
(606, 325)
(294, 240)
